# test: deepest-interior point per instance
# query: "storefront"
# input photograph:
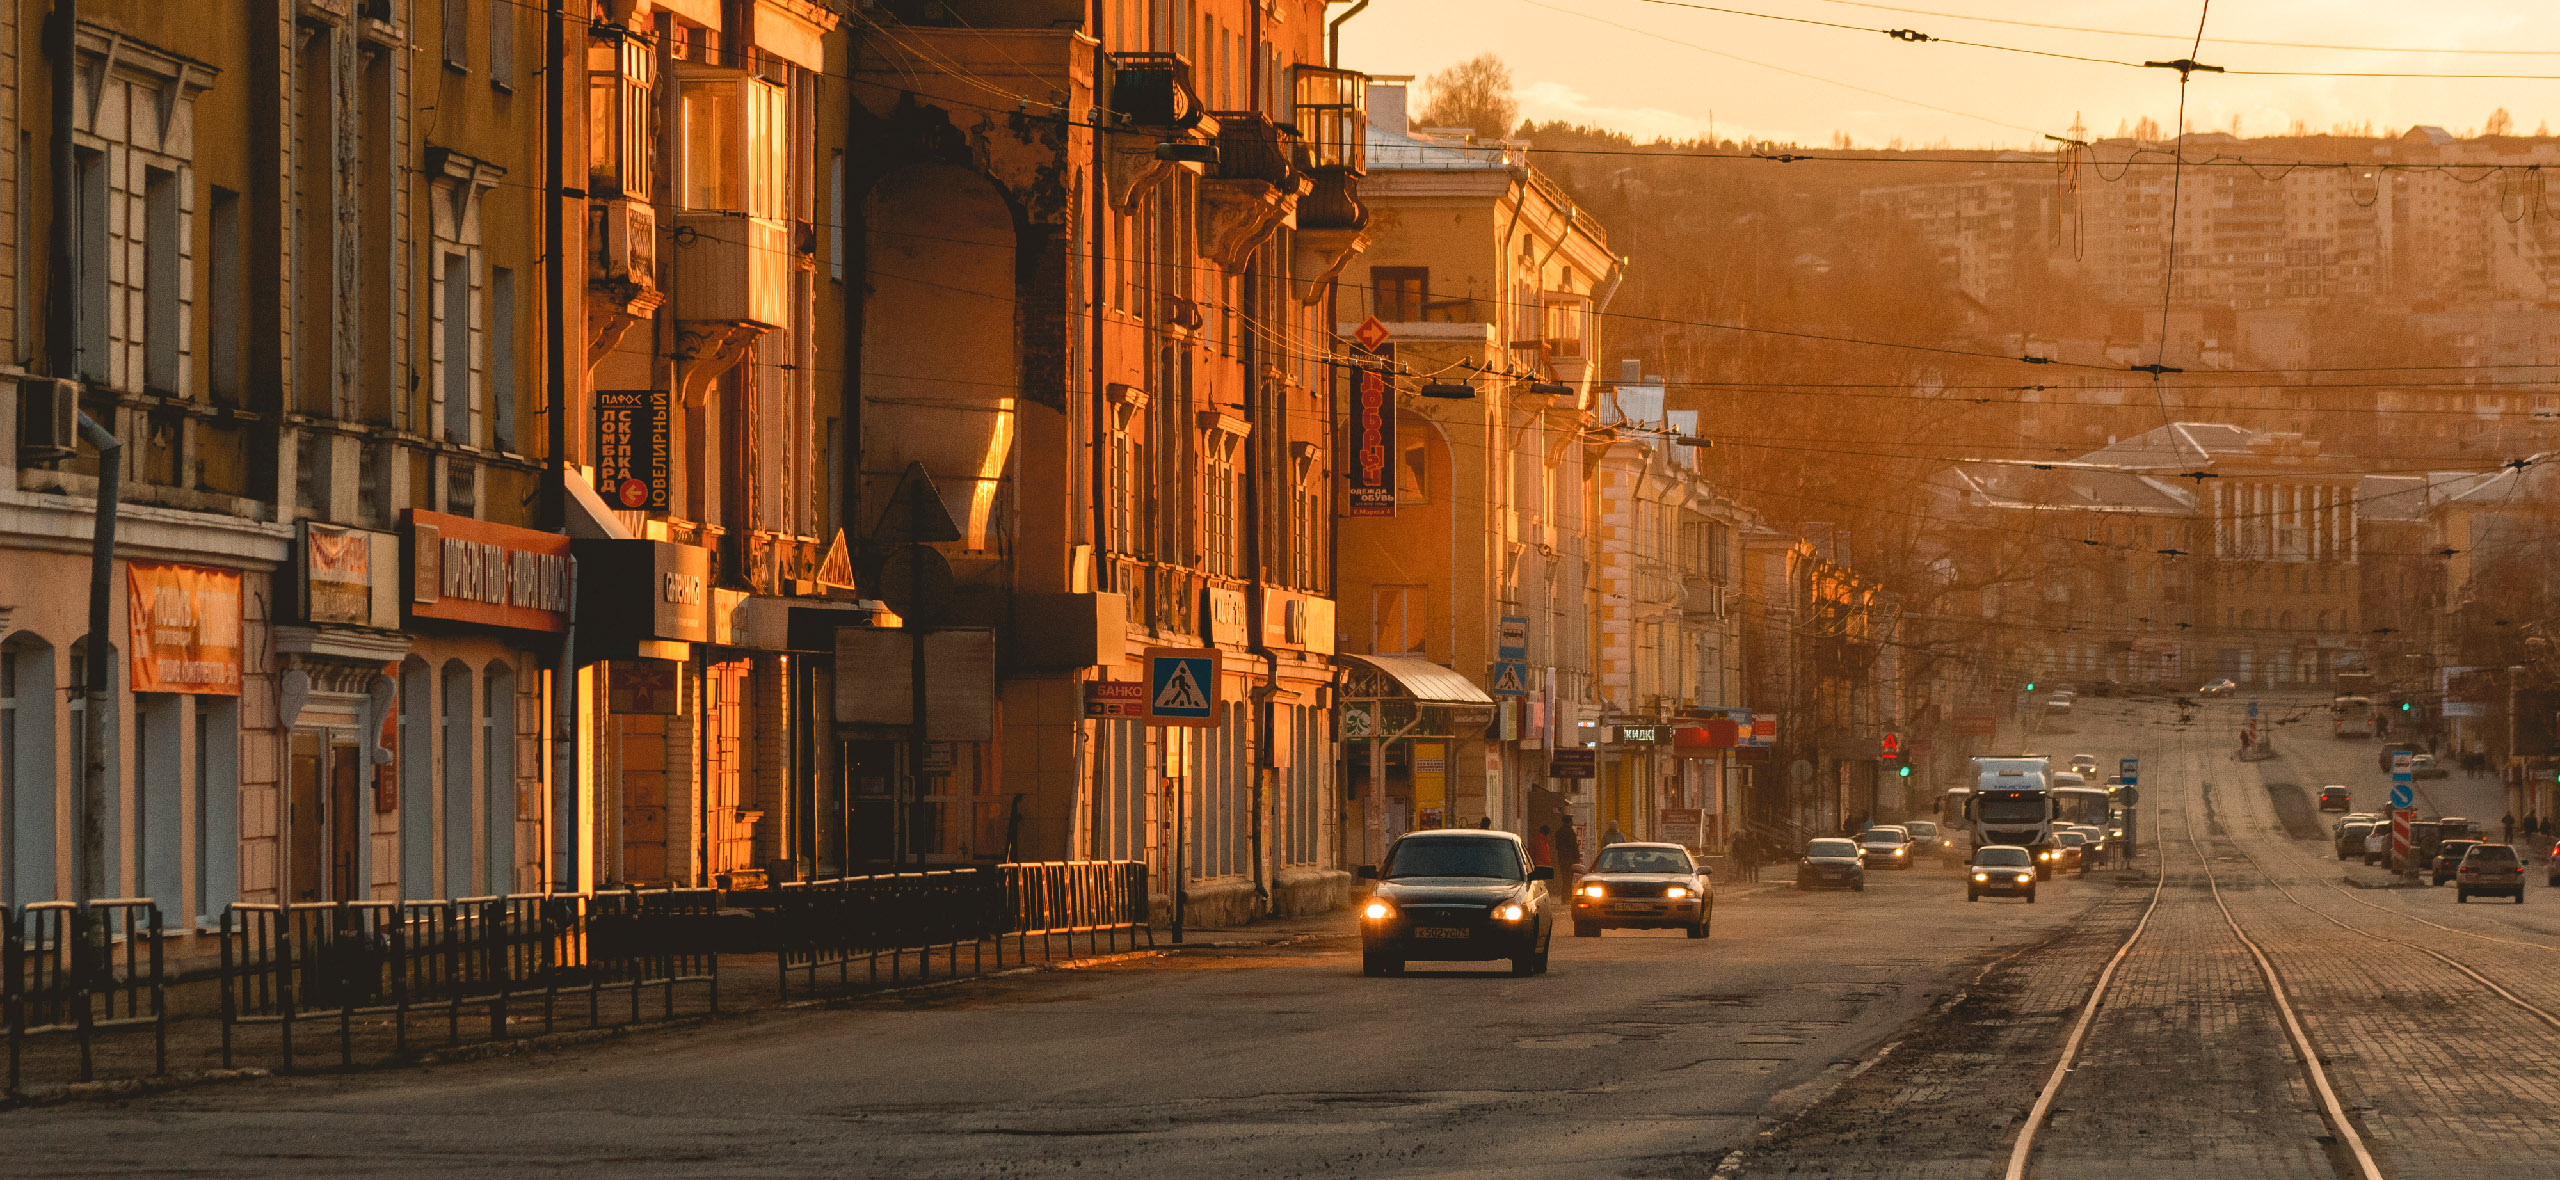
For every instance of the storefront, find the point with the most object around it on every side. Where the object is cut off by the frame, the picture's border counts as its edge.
(1410, 729)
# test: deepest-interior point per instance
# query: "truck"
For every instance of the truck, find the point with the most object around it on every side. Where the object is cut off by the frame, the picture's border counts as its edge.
(2012, 802)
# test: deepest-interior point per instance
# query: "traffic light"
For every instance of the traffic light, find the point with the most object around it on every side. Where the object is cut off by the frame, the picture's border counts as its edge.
(1904, 772)
(2031, 686)
(2404, 706)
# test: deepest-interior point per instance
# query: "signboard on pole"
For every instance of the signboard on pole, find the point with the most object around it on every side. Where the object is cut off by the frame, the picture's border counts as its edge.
(1373, 447)
(1576, 763)
(1680, 825)
(1514, 644)
(1182, 686)
(1510, 679)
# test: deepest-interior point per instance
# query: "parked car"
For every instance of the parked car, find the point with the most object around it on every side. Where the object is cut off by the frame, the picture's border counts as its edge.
(1832, 862)
(2448, 858)
(2426, 766)
(1886, 846)
(2350, 838)
(2334, 798)
(2073, 848)
(2004, 869)
(1455, 895)
(1927, 840)
(2218, 688)
(2489, 870)
(1643, 887)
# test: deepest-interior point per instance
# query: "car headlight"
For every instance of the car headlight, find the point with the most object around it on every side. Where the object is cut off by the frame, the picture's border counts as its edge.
(1982, 876)
(2023, 878)
(1378, 911)
(1510, 913)
(1900, 851)
(1676, 891)
(1594, 891)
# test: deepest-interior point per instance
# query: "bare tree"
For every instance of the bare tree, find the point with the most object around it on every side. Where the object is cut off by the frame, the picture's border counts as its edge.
(1475, 94)
(2500, 123)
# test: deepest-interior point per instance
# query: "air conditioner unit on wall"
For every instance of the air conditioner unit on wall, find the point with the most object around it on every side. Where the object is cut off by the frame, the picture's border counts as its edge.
(48, 419)
(624, 239)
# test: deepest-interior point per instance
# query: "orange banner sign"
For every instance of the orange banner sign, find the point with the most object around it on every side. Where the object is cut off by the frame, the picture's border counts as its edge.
(185, 622)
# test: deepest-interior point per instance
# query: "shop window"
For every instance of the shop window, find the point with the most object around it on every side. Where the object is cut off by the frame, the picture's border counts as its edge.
(417, 780)
(459, 846)
(498, 777)
(28, 772)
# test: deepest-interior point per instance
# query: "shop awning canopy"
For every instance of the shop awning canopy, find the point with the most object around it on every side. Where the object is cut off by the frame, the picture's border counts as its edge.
(1409, 678)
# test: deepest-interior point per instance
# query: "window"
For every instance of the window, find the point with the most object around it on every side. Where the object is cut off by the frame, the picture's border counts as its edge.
(457, 35)
(1397, 292)
(736, 144)
(1412, 483)
(498, 777)
(90, 169)
(1126, 463)
(1304, 503)
(835, 216)
(622, 153)
(217, 807)
(164, 279)
(458, 765)
(228, 294)
(417, 780)
(502, 358)
(502, 41)
(1397, 626)
(453, 309)
(1218, 518)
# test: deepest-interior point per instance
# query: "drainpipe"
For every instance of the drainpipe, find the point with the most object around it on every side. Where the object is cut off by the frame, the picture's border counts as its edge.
(1333, 34)
(567, 837)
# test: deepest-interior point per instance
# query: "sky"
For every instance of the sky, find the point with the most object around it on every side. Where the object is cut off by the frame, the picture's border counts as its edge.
(1654, 68)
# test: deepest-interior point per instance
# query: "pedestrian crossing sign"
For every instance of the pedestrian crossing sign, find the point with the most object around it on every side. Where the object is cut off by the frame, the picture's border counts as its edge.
(1510, 679)
(1182, 686)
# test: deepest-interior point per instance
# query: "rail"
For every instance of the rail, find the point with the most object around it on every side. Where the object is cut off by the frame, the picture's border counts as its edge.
(81, 970)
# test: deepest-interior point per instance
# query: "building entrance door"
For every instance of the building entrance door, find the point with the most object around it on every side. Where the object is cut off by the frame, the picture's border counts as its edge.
(306, 838)
(346, 824)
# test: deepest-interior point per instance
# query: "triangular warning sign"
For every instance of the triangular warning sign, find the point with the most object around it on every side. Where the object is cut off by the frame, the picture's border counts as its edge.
(1506, 678)
(1181, 692)
(915, 515)
(835, 570)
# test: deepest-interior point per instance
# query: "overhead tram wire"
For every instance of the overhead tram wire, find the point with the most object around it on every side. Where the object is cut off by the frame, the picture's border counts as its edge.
(2186, 68)
(2028, 24)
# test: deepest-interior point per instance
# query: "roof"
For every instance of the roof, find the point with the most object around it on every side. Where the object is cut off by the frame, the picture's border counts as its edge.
(1391, 151)
(1478, 833)
(1423, 680)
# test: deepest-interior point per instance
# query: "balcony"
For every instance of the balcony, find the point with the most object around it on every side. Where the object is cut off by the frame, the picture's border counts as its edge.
(1254, 190)
(1153, 91)
(732, 268)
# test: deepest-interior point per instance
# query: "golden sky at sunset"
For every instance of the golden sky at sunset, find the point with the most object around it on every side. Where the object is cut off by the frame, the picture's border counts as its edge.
(1655, 68)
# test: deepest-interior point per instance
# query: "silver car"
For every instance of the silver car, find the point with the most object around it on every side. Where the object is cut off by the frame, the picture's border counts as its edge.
(1886, 846)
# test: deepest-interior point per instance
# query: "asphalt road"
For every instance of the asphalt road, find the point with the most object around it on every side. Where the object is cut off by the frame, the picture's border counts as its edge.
(1899, 1032)
(1640, 1053)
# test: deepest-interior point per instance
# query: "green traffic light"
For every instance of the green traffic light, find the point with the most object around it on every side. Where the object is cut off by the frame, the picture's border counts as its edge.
(2031, 686)
(2404, 706)
(1905, 772)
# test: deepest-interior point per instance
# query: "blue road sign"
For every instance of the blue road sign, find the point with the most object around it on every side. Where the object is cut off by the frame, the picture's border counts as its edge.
(2402, 795)
(2253, 708)
(2129, 765)
(1510, 679)
(1182, 686)
(1515, 639)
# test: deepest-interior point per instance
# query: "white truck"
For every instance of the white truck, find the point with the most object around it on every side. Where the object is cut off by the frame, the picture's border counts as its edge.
(2012, 803)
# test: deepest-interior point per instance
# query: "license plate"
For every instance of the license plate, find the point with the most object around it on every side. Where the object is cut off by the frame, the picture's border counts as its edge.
(1440, 932)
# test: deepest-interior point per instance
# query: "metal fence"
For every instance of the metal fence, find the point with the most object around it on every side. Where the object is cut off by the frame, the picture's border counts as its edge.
(82, 970)
(834, 925)
(472, 967)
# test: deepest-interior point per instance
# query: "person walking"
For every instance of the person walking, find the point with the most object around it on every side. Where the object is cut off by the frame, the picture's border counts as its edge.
(2508, 823)
(1542, 848)
(1612, 835)
(1568, 854)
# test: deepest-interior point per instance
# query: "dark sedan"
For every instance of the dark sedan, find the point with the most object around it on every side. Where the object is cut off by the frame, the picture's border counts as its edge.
(2448, 859)
(2002, 868)
(1459, 895)
(1831, 863)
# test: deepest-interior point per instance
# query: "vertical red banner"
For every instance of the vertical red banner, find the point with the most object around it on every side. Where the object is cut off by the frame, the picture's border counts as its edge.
(1373, 447)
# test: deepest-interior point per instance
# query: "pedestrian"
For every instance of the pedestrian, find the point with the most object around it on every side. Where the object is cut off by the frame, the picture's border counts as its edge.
(2508, 822)
(1485, 823)
(1612, 835)
(1542, 850)
(2244, 742)
(1568, 853)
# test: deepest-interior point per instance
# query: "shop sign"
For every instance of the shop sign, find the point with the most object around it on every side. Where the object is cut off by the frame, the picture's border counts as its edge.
(645, 686)
(349, 576)
(1764, 730)
(1710, 735)
(495, 575)
(1224, 608)
(1359, 720)
(1125, 699)
(185, 622)
(633, 465)
(637, 590)
(1297, 622)
(1373, 447)
(1573, 764)
(1639, 734)
(1680, 825)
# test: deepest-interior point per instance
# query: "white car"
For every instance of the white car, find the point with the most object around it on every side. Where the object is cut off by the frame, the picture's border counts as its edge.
(2084, 764)
(2219, 688)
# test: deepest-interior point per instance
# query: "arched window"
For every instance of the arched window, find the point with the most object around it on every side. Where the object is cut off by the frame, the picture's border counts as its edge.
(498, 776)
(459, 835)
(28, 772)
(417, 779)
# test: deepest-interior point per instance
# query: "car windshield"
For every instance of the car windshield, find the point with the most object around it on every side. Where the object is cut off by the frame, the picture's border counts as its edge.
(1455, 858)
(1923, 831)
(1886, 836)
(1831, 848)
(1623, 859)
(2003, 858)
(2070, 839)
(2490, 852)
(2355, 829)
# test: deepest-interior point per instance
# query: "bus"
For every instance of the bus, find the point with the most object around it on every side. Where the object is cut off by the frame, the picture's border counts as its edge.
(2351, 717)
(2082, 804)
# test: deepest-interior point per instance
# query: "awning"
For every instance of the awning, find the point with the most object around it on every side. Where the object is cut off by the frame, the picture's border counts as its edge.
(1411, 678)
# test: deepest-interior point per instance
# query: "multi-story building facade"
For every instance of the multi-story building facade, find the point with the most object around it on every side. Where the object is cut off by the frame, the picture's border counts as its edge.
(1486, 281)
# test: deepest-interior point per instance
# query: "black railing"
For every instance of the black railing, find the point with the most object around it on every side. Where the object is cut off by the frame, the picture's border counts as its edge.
(81, 970)
(834, 925)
